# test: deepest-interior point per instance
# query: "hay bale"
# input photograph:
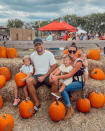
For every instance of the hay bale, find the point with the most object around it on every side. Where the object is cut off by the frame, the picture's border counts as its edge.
(8, 92)
(13, 64)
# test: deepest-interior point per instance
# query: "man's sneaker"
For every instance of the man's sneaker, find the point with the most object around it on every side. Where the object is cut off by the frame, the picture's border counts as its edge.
(16, 101)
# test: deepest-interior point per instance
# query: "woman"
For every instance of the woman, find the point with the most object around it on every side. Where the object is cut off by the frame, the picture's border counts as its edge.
(76, 73)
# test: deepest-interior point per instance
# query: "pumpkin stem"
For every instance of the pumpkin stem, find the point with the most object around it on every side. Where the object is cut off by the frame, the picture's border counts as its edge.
(97, 91)
(95, 72)
(4, 43)
(4, 115)
(57, 102)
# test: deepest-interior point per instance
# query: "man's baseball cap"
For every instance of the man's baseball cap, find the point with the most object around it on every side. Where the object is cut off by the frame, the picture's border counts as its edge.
(37, 41)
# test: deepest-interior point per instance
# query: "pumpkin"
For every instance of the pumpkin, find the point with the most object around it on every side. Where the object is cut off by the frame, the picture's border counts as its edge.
(2, 81)
(26, 109)
(3, 52)
(97, 74)
(66, 51)
(83, 105)
(12, 53)
(6, 72)
(77, 53)
(94, 54)
(1, 101)
(18, 79)
(57, 111)
(6, 122)
(97, 99)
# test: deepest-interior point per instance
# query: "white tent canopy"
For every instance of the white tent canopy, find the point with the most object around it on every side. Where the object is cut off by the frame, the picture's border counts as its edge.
(81, 31)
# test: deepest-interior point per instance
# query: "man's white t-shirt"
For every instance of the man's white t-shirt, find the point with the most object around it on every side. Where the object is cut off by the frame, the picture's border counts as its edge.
(63, 70)
(42, 62)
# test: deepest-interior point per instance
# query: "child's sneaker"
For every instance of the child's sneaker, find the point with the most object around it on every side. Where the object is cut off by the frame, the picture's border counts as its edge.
(16, 101)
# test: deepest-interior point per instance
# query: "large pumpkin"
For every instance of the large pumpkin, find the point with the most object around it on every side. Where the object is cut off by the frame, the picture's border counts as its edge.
(3, 52)
(6, 122)
(26, 109)
(83, 105)
(2, 81)
(97, 74)
(94, 54)
(12, 53)
(18, 79)
(6, 72)
(1, 101)
(57, 111)
(97, 99)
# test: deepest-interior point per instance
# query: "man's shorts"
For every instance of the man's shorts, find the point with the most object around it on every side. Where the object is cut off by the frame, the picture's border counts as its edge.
(45, 82)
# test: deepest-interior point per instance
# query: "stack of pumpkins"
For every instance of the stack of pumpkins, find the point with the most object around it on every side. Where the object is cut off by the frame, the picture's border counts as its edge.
(8, 53)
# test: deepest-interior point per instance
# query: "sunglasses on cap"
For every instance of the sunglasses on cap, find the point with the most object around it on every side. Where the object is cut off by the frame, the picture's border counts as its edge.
(72, 51)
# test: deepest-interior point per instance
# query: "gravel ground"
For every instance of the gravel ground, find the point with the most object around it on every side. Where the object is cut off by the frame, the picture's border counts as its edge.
(92, 121)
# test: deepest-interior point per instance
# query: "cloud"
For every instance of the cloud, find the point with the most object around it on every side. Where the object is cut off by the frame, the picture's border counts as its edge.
(31, 10)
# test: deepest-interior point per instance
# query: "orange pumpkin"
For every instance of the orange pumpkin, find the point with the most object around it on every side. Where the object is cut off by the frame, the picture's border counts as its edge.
(57, 111)
(94, 54)
(6, 122)
(66, 51)
(26, 109)
(6, 72)
(77, 53)
(2, 81)
(1, 101)
(97, 74)
(18, 79)
(3, 52)
(12, 53)
(97, 99)
(83, 105)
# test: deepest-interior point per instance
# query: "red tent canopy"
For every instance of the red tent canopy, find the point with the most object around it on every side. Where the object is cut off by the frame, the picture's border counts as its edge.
(54, 26)
(69, 27)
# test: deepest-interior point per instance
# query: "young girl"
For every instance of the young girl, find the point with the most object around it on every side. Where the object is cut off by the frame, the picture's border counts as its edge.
(28, 69)
(64, 68)
(83, 58)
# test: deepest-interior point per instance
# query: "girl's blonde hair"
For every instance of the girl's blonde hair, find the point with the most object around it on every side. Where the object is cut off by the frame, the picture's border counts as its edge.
(65, 56)
(26, 57)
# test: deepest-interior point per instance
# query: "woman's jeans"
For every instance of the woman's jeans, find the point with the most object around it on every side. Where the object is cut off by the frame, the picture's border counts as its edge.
(69, 88)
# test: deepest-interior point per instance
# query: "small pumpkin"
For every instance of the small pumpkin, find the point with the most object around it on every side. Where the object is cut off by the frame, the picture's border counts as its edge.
(77, 53)
(6, 72)
(57, 111)
(94, 54)
(97, 74)
(18, 79)
(97, 99)
(3, 52)
(12, 53)
(6, 122)
(83, 105)
(1, 101)
(66, 51)
(26, 109)
(2, 81)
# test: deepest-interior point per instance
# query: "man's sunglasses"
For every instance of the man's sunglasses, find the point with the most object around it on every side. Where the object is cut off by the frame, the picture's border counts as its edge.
(72, 51)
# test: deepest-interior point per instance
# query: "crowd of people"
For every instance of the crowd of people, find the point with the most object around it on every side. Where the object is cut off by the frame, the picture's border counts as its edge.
(71, 75)
(68, 36)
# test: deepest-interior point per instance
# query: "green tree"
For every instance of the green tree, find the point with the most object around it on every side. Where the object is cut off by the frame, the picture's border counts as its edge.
(15, 23)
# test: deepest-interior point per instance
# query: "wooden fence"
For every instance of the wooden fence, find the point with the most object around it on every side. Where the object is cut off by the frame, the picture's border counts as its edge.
(55, 44)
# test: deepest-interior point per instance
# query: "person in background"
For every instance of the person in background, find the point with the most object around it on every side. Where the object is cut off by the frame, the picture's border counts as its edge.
(50, 37)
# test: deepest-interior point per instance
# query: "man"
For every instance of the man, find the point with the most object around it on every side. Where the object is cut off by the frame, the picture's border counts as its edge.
(44, 63)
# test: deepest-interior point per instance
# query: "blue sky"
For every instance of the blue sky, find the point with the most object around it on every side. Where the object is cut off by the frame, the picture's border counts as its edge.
(32, 10)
